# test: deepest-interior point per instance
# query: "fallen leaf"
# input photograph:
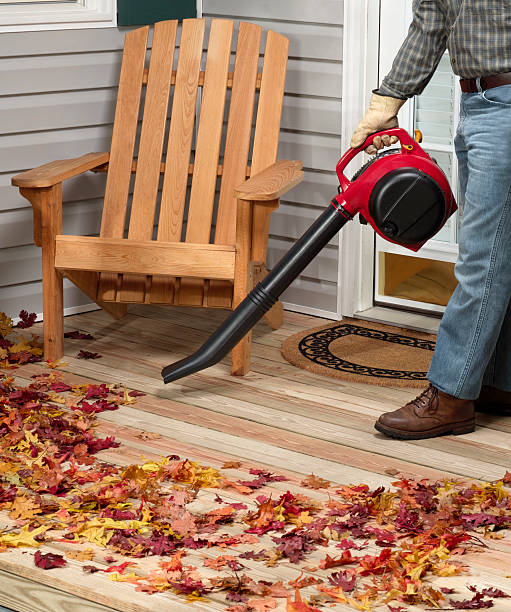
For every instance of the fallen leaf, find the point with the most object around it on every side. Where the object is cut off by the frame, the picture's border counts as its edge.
(81, 555)
(298, 605)
(148, 435)
(234, 465)
(314, 482)
(87, 355)
(78, 335)
(26, 319)
(49, 560)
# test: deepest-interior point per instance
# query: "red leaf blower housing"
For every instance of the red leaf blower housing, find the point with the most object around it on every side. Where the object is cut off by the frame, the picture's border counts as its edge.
(402, 193)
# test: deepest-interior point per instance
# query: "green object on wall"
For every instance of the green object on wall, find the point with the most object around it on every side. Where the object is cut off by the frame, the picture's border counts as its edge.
(143, 12)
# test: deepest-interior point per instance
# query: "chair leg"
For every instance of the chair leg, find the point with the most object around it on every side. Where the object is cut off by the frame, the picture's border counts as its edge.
(53, 312)
(275, 316)
(115, 310)
(243, 283)
(53, 294)
(241, 354)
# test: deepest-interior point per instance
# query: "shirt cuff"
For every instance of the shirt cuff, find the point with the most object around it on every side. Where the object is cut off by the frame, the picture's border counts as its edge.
(384, 90)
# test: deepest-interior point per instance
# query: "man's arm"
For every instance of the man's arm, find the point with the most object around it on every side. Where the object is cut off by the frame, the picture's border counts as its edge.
(420, 53)
(412, 70)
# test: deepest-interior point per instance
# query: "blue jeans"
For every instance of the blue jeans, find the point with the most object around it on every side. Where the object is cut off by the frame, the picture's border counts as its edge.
(474, 340)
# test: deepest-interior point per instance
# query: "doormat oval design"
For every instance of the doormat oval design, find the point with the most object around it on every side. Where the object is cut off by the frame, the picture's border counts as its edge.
(361, 351)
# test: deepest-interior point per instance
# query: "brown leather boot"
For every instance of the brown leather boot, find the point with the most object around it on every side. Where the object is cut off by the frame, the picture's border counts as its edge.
(432, 413)
(493, 401)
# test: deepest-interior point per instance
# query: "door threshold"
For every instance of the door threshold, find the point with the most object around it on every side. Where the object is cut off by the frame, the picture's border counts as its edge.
(400, 318)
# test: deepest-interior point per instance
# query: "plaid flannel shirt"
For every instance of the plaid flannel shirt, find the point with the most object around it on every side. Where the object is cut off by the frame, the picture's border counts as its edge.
(477, 34)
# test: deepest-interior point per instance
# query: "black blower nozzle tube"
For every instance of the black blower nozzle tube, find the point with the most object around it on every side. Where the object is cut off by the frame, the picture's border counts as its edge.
(263, 296)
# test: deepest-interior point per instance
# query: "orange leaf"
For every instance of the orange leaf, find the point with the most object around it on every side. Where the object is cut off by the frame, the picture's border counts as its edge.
(315, 482)
(303, 581)
(344, 559)
(298, 605)
(261, 605)
(242, 489)
(219, 562)
(231, 465)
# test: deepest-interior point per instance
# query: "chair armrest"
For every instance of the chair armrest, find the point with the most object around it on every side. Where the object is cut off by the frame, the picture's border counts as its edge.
(272, 182)
(57, 171)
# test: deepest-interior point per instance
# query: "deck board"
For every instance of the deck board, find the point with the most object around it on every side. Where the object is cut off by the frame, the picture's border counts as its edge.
(277, 417)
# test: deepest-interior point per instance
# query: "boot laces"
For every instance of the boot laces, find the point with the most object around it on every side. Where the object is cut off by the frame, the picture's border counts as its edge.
(426, 399)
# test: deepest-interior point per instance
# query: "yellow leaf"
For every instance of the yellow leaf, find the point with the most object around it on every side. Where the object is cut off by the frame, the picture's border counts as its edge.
(303, 519)
(81, 555)
(363, 604)
(5, 324)
(56, 364)
(116, 577)
(23, 345)
(416, 572)
(24, 537)
(24, 508)
(446, 569)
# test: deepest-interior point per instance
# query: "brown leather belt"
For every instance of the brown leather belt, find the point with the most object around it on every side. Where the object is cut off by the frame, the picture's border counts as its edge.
(487, 82)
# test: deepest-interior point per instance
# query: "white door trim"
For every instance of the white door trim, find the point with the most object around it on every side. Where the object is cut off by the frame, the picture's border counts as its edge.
(360, 76)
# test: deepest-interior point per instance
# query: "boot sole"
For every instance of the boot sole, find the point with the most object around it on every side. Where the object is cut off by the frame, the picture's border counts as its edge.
(455, 429)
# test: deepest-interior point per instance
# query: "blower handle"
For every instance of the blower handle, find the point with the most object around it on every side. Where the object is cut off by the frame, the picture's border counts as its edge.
(408, 146)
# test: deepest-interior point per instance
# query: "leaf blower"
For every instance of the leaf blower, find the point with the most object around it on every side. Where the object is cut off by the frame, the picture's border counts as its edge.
(403, 194)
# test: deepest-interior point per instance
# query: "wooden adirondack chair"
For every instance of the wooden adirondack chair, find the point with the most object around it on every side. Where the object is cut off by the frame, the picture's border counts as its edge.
(179, 265)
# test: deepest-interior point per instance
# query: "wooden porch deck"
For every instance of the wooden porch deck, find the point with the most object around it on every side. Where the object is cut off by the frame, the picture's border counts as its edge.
(278, 417)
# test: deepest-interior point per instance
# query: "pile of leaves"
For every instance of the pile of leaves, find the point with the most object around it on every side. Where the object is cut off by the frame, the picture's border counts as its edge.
(213, 532)
(15, 349)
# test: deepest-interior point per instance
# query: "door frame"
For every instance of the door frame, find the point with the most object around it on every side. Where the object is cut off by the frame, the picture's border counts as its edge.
(361, 46)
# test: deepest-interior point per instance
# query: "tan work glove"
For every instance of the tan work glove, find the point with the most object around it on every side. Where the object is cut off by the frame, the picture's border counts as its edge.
(381, 115)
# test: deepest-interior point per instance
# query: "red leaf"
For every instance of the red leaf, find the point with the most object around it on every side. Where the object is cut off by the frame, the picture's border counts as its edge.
(98, 391)
(87, 355)
(49, 560)
(345, 580)
(60, 387)
(119, 568)
(472, 604)
(27, 320)
(490, 592)
(78, 335)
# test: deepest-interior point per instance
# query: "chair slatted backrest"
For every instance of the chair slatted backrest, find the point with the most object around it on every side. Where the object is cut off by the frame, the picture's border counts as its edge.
(178, 160)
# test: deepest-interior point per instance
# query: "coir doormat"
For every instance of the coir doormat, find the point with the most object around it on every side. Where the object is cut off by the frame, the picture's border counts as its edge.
(361, 351)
